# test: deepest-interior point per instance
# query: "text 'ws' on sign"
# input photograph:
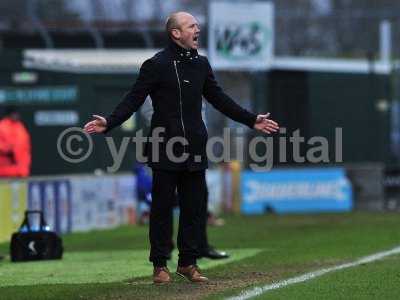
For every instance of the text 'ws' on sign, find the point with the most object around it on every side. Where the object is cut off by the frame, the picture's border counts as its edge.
(241, 35)
(296, 191)
(38, 95)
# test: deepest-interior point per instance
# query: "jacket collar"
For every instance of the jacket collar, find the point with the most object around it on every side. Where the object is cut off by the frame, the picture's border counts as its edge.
(182, 53)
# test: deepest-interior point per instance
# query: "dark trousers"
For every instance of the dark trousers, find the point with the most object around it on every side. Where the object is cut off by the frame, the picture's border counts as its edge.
(203, 238)
(203, 244)
(191, 188)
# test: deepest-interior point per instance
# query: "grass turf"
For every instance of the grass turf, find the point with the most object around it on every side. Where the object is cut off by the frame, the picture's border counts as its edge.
(291, 245)
(96, 267)
(378, 280)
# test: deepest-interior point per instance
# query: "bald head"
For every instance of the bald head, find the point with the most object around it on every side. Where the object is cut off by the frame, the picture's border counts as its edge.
(174, 21)
(183, 29)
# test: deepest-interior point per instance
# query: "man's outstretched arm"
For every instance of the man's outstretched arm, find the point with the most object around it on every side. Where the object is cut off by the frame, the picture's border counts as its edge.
(222, 102)
(130, 103)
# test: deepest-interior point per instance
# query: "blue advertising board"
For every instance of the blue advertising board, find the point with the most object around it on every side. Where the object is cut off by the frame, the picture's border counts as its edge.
(296, 191)
(53, 197)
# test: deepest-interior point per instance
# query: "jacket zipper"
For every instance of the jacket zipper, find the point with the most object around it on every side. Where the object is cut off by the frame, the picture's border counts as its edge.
(180, 102)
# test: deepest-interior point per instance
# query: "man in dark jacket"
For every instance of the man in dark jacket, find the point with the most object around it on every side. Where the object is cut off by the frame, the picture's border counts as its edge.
(176, 78)
(205, 249)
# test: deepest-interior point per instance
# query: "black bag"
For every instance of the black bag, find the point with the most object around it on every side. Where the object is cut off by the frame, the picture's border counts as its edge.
(30, 244)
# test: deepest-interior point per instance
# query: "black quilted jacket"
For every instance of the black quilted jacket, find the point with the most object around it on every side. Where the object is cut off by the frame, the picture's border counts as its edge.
(176, 79)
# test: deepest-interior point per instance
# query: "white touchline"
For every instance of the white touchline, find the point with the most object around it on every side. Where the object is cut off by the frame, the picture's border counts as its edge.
(257, 291)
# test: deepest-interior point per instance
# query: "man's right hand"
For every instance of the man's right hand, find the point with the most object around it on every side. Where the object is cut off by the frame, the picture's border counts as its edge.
(98, 125)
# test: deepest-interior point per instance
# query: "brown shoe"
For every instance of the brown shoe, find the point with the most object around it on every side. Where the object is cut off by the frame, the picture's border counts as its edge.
(191, 273)
(161, 275)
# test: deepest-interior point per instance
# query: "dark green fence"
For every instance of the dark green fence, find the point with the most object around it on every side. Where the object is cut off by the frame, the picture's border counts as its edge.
(314, 102)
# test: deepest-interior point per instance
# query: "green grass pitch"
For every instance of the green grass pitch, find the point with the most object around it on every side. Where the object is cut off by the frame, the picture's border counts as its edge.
(113, 264)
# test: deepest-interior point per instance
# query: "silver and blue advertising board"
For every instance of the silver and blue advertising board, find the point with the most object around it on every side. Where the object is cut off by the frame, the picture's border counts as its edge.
(296, 191)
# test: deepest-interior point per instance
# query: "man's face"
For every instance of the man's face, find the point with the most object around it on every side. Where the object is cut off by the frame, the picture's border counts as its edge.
(188, 32)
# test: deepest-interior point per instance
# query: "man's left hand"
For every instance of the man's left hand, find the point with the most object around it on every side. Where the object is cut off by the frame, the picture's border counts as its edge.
(266, 125)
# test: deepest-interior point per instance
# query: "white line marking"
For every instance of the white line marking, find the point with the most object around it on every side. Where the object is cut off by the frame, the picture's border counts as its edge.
(257, 291)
